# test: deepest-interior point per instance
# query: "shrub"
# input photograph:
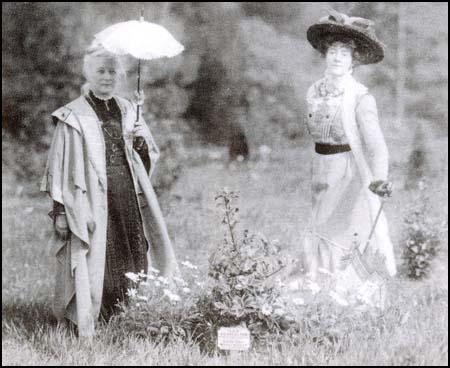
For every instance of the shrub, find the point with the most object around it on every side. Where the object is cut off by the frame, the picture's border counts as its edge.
(243, 289)
(423, 236)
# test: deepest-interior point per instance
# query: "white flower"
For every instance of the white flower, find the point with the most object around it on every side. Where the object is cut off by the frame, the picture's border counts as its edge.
(294, 285)
(313, 287)
(142, 274)
(180, 281)
(266, 310)
(324, 271)
(405, 318)
(367, 291)
(186, 290)
(299, 301)
(132, 293)
(280, 283)
(188, 264)
(163, 280)
(339, 299)
(172, 296)
(132, 276)
(340, 288)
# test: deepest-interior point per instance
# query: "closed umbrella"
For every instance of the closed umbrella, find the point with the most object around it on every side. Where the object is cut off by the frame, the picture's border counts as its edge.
(140, 39)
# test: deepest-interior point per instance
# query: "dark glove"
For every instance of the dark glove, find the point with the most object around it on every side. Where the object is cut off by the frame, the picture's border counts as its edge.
(141, 147)
(62, 227)
(60, 224)
(382, 188)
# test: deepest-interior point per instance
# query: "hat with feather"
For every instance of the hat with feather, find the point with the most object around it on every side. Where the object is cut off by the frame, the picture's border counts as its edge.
(338, 26)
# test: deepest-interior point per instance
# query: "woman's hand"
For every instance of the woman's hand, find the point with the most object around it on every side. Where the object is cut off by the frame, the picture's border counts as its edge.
(62, 227)
(139, 134)
(139, 97)
(139, 131)
(382, 188)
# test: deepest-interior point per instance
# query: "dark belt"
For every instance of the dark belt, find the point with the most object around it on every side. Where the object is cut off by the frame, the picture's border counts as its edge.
(330, 149)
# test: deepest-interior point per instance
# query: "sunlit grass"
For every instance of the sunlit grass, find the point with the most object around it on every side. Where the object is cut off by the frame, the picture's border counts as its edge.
(273, 201)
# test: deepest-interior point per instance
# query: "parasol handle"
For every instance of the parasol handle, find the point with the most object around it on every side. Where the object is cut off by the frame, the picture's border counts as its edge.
(138, 87)
(139, 69)
(372, 231)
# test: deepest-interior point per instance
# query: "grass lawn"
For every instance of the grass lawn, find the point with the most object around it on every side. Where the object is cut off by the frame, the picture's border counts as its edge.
(274, 200)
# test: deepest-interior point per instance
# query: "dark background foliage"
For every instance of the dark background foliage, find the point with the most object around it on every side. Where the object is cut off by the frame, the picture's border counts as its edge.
(239, 84)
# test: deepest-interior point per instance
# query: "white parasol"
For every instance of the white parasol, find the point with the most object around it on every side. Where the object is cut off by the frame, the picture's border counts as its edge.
(140, 39)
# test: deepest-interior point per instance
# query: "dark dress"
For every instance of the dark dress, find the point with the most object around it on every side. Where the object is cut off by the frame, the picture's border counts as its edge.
(126, 246)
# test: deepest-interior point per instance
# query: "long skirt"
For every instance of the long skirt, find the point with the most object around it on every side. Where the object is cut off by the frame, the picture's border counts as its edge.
(126, 246)
(340, 213)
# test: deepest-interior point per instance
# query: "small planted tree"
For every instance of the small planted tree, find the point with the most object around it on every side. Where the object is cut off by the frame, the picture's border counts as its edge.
(243, 290)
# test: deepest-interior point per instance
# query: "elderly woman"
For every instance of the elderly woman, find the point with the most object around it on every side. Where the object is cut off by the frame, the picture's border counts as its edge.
(350, 164)
(106, 216)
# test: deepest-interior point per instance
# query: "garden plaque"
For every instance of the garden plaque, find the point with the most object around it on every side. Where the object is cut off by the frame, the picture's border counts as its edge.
(233, 338)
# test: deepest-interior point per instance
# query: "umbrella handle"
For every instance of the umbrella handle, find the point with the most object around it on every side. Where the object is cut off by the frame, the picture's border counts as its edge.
(372, 231)
(140, 140)
(138, 87)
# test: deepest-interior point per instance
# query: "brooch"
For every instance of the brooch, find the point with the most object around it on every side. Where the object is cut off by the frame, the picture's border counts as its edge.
(326, 90)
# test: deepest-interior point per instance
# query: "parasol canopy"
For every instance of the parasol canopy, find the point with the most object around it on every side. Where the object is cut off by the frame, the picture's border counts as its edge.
(140, 39)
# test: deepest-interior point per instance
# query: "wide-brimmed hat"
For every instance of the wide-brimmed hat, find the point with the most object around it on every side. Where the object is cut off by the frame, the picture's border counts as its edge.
(360, 30)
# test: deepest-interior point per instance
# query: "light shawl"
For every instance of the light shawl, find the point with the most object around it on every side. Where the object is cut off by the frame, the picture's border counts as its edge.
(75, 176)
(352, 91)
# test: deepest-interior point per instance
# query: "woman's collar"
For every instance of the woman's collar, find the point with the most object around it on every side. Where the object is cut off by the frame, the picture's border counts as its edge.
(338, 82)
(93, 95)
